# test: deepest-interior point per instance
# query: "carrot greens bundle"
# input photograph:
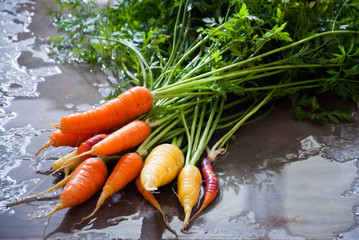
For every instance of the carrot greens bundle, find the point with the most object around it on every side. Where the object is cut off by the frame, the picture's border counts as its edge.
(198, 134)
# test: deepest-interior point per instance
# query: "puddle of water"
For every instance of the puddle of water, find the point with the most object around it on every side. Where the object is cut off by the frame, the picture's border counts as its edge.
(280, 180)
(284, 184)
(27, 101)
(313, 191)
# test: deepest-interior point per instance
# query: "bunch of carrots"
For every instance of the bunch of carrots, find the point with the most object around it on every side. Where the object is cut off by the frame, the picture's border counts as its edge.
(85, 170)
(157, 131)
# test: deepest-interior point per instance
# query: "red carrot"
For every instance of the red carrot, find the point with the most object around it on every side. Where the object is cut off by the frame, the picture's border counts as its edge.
(88, 144)
(211, 180)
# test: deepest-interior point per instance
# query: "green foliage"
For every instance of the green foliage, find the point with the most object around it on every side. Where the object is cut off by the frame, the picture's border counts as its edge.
(245, 47)
(307, 107)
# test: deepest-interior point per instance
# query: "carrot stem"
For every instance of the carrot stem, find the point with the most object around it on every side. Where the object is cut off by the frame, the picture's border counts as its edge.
(220, 143)
(203, 78)
(154, 137)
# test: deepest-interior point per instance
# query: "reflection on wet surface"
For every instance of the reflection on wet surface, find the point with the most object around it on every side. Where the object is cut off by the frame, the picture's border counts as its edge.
(281, 179)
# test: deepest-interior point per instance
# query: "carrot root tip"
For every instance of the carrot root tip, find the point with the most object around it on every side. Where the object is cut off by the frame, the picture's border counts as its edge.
(167, 224)
(57, 208)
(185, 230)
(99, 203)
(46, 145)
(149, 185)
(85, 218)
(186, 220)
(199, 211)
(55, 125)
(151, 189)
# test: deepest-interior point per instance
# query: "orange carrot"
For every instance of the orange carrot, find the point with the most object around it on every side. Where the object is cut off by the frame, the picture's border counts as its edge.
(113, 114)
(147, 195)
(70, 161)
(58, 138)
(126, 170)
(211, 180)
(87, 179)
(124, 138)
(188, 186)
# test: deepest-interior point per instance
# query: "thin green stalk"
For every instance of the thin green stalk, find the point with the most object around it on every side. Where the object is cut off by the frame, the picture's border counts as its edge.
(336, 17)
(293, 84)
(189, 139)
(208, 131)
(232, 123)
(155, 136)
(254, 76)
(168, 118)
(181, 42)
(205, 60)
(176, 95)
(195, 126)
(179, 86)
(199, 126)
(235, 102)
(224, 139)
(165, 102)
(202, 78)
(143, 63)
(299, 42)
(177, 141)
(286, 85)
(234, 118)
(129, 74)
(172, 134)
(247, 71)
(175, 42)
(189, 104)
(191, 50)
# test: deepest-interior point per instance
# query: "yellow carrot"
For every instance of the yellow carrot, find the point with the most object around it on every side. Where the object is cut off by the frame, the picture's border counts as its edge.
(162, 166)
(67, 163)
(189, 184)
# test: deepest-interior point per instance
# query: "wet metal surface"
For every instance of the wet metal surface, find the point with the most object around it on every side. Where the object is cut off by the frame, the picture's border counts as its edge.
(281, 179)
